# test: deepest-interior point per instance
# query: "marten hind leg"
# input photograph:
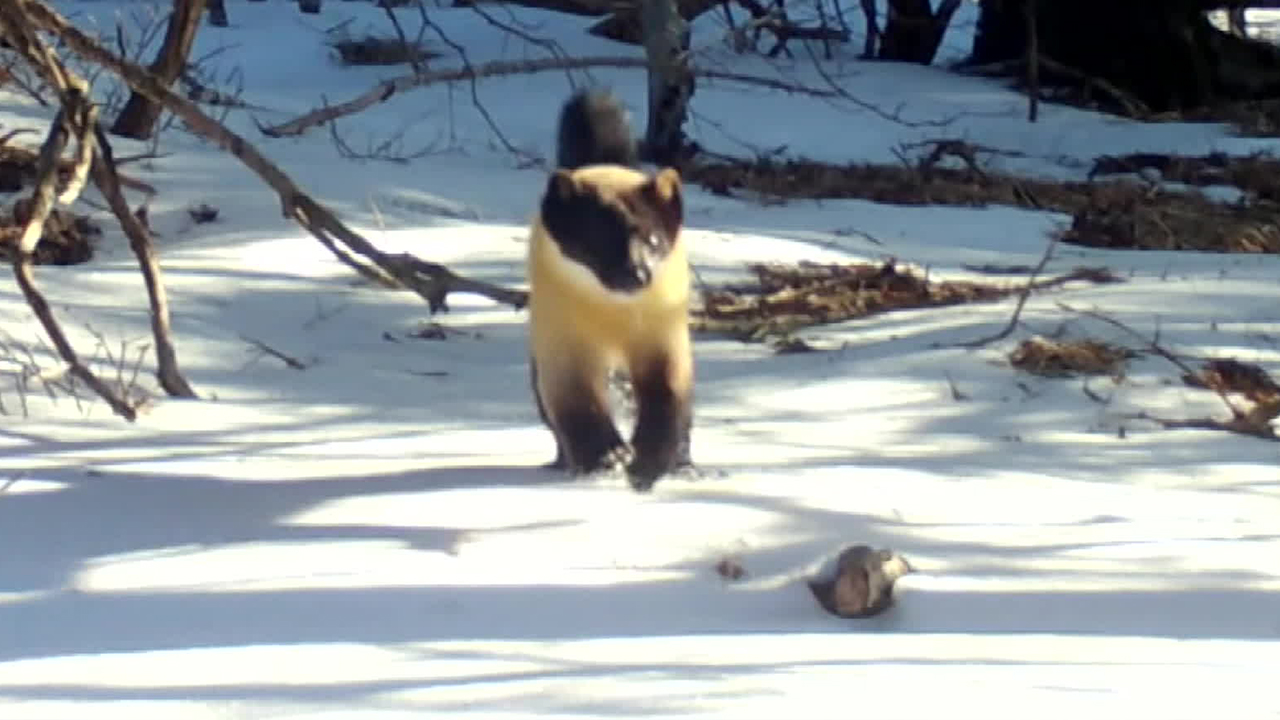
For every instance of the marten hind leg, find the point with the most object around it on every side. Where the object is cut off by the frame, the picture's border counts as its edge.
(574, 402)
(663, 389)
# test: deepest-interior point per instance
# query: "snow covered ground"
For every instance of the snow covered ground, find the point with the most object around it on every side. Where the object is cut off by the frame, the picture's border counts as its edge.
(371, 537)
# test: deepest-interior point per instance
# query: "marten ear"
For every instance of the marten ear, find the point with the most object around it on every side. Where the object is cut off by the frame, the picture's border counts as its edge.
(558, 199)
(663, 194)
(561, 185)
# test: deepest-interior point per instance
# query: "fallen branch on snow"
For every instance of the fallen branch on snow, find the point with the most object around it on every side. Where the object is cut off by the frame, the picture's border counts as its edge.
(1254, 422)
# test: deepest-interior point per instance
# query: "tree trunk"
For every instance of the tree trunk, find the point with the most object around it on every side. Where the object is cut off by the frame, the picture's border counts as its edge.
(138, 118)
(873, 29)
(666, 45)
(1169, 56)
(913, 32)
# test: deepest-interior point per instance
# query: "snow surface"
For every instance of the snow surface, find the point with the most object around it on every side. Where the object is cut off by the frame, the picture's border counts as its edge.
(372, 538)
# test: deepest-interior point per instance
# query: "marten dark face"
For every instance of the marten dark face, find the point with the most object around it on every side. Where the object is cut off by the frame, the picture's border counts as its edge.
(620, 235)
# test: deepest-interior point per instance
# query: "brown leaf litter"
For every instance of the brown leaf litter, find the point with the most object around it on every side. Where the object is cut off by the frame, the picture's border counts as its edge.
(784, 297)
(1227, 377)
(1235, 376)
(1246, 379)
(1114, 213)
(68, 239)
(1047, 357)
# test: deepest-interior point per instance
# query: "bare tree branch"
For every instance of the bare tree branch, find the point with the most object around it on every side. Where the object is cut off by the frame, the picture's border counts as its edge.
(75, 106)
(894, 116)
(475, 92)
(108, 182)
(415, 61)
(94, 156)
(431, 281)
(386, 89)
(84, 158)
(553, 48)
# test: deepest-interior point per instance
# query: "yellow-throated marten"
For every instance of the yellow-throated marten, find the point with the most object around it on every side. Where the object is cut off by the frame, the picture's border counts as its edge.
(609, 288)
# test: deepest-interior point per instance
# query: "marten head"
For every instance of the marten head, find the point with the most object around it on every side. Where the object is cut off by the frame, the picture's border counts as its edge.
(619, 223)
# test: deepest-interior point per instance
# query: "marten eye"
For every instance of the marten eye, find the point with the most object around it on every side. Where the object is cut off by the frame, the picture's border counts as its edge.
(646, 237)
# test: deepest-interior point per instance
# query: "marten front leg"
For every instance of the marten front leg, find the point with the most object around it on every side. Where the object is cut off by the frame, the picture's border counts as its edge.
(663, 387)
(573, 402)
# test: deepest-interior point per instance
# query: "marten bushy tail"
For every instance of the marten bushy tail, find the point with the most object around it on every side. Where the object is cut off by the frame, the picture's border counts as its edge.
(594, 131)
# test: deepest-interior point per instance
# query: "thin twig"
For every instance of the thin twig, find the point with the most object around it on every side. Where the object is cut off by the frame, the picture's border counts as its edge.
(266, 349)
(1022, 299)
(410, 51)
(552, 47)
(894, 116)
(1156, 348)
(524, 156)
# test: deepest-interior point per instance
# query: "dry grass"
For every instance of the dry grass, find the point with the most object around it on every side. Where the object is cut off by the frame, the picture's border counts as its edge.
(1108, 213)
(1250, 118)
(1257, 175)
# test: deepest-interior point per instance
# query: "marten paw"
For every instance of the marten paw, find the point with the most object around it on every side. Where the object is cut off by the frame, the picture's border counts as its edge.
(642, 476)
(617, 459)
(689, 471)
(613, 461)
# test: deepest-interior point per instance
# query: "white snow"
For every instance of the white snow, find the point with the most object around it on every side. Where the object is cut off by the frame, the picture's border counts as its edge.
(372, 538)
